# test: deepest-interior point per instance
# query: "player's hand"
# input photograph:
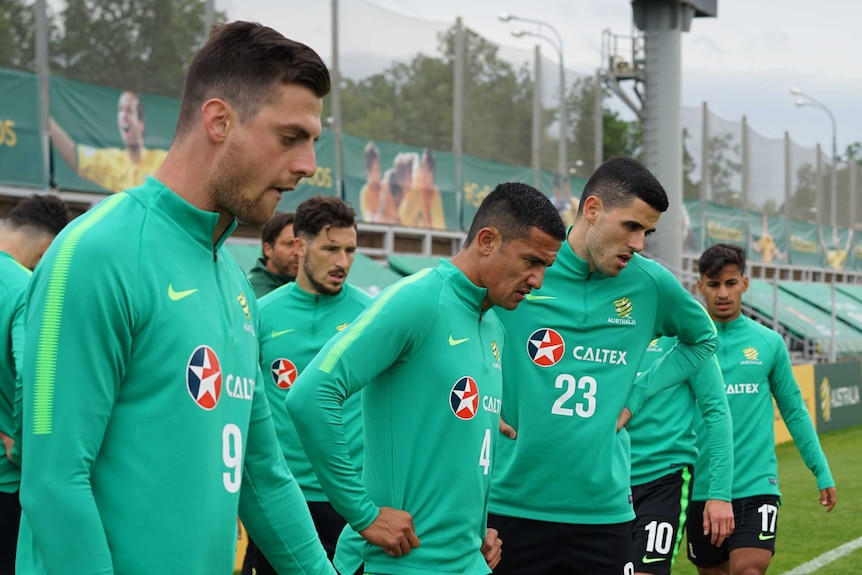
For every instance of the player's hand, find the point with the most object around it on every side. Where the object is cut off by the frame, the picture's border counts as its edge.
(492, 548)
(827, 498)
(507, 429)
(9, 443)
(624, 417)
(718, 520)
(392, 531)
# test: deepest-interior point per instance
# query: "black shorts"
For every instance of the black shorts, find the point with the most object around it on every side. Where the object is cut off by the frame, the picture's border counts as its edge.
(546, 548)
(660, 508)
(328, 524)
(10, 517)
(756, 521)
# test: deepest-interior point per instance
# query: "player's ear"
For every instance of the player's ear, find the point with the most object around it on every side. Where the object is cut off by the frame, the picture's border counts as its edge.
(592, 208)
(488, 239)
(744, 284)
(217, 116)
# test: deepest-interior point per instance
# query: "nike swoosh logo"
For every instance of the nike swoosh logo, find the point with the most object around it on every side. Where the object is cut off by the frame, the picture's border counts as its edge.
(647, 560)
(763, 537)
(280, 333)
(453, 341)
(178, 295)
(531, 297)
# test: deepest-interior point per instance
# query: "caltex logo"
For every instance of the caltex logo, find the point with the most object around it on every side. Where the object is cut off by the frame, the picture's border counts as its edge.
(284, 373)
(545, 347)
(464, 398)
(203, 377)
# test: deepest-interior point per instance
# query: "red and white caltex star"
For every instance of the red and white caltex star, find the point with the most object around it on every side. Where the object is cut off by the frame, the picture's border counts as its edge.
(548, 348)
(283, 373)
(210, 380)
(469, 397)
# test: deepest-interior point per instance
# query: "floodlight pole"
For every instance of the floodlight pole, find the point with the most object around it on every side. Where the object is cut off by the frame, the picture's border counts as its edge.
(558, 46)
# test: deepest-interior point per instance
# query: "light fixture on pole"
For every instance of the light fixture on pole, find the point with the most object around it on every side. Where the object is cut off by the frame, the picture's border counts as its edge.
(558, 46)
(806, 100)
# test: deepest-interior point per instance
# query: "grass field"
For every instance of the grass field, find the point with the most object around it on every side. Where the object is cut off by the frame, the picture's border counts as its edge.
(805, 530)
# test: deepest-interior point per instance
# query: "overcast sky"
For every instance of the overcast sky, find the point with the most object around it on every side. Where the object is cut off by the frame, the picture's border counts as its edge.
(741, 63)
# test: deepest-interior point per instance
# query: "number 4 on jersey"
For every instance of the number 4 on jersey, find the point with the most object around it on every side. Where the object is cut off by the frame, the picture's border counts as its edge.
(485, 452)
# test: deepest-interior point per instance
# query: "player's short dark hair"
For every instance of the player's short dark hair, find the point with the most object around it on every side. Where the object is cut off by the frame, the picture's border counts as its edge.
(618, 181)
(715, 258)
(272, 229)
(244, 64)
(371, 155)
(514, 209)
(46, 214)
(320, 212)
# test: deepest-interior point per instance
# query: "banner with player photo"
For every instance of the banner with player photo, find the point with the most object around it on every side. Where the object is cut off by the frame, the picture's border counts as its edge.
(22, 160)
(854, 258)
(767, 239)
(835, 246)
(396, 184)
(107, 140)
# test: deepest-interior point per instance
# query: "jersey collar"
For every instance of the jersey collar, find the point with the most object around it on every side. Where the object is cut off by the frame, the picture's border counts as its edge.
(199, 224)
(472, 295)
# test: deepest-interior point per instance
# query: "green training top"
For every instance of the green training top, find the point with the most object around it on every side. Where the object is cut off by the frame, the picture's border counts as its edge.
(143, 434)
(572, 355)
(264, 281)
(13, 288)
(294, 325)
(427, 361)
(662, 434)
(756, 368)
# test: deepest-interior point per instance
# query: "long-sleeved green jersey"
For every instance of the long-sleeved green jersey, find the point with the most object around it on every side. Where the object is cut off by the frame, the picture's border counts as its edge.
(294, 326)
(143, 434)
(756, 368)
(662, 434)
(572, 355)
(13, 287)
(427, 360)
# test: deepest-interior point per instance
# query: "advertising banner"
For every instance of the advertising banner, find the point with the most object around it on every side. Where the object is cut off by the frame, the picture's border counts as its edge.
(482, 176)
(22, 160)
(397, 184)
(725, 225)
(804, 375)
(838, 395)
(804, 244)
(107, 140)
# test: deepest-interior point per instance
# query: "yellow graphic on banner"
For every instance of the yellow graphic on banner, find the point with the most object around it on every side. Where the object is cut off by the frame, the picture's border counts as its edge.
(826, 399)
(804, 375)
